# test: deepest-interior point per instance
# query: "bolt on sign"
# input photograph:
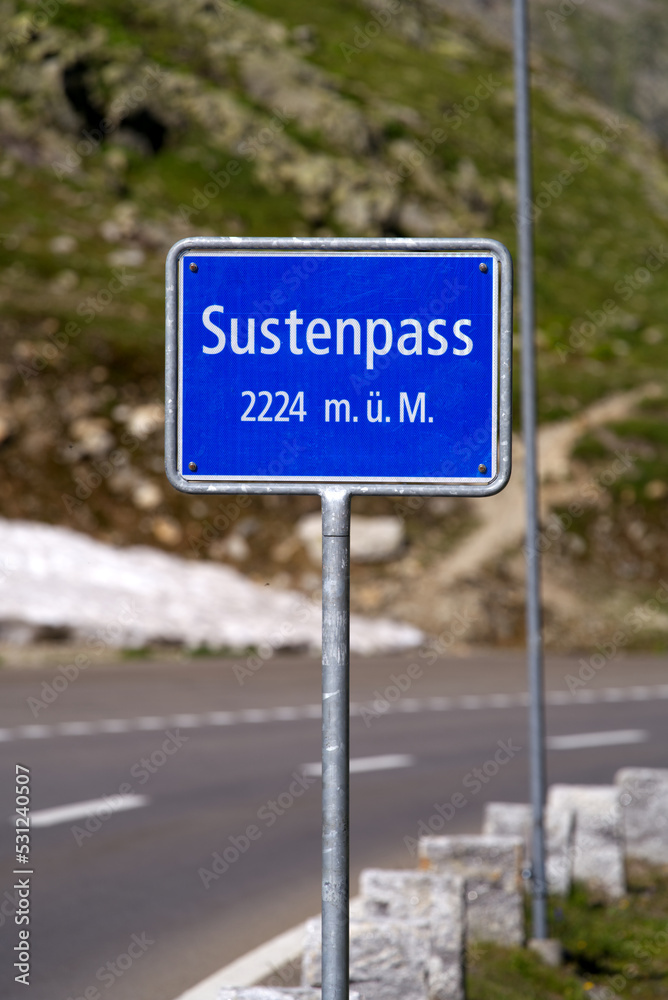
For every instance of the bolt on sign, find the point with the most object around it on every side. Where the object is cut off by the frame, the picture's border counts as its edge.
(383, 364)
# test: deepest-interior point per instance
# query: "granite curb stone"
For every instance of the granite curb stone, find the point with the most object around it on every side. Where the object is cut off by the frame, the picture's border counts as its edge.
(491, 868)
(598, 842)
(643, 802)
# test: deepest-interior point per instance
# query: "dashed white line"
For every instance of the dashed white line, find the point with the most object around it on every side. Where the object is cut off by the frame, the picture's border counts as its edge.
(185, 721)
(559, 698)
(359, 765)
(81, 810)
(114, 725)
(291, 713)
(579, 741)
(310, 712)
(586, 696)
(614, 694)
(253, 714)
(150, 722)
(285, 714)
(219, 719)
(34, 732)
(385, 762)
(501, 700)
(76, 728)
(438, 704)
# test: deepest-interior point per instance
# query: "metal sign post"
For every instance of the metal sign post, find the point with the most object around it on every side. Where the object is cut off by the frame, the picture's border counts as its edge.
(338, 367)
(335, 740)
(533, 585)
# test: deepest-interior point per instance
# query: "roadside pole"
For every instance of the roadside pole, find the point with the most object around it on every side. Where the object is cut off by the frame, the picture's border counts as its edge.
(408, 433)
(335, 741)
(533, 584)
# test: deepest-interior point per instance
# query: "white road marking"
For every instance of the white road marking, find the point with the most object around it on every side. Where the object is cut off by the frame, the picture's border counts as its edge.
(254, 714)
(82, 810)
(150, 722)
(219, 719)
(114, 725)
(358, 765)
(312, 711)
(501, 700)
(439, 704)
(258, 964)
(578, 741)
(187, 720)
(252, 968)
(559, 698)
(76, 728)
(367, 710)
(285, 714)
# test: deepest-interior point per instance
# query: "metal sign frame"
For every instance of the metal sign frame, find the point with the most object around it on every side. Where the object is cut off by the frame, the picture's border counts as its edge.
(235, 245)
(336, 498)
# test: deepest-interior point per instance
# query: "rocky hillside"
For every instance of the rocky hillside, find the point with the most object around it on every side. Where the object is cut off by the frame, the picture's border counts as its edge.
(616, 49)
(125, 127)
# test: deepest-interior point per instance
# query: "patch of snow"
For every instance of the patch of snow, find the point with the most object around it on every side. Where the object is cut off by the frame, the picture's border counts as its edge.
(53, 578)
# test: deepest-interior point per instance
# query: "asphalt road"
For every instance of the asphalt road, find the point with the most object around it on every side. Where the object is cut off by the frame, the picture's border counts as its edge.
(119, 904)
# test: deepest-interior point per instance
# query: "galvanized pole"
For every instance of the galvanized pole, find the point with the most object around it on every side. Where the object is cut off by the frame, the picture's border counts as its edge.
(533, 597)
(335, 741)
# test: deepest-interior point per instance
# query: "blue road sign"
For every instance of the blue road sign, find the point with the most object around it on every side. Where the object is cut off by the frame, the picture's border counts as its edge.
(366, 367)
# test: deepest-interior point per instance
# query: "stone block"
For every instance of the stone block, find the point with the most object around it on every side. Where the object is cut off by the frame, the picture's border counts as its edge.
(550, 950)
(598, 844)
(643, 801)
(514, 819)
(420, 896)
(559, 834)
(474, 855)
(415, 895)
(494, 913)
(508, 819)
(388, 958)
(491, 869)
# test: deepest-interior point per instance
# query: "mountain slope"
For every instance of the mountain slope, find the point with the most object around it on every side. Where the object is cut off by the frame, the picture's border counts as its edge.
(125, 127)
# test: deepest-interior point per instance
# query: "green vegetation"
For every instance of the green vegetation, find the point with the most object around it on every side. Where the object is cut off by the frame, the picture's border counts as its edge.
(612, 951)
(137, 653)
(205, 651)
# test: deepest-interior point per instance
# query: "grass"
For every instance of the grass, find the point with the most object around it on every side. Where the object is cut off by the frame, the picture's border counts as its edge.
(221, 652)
(643, 444)
(618, 950)
(137, 653)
